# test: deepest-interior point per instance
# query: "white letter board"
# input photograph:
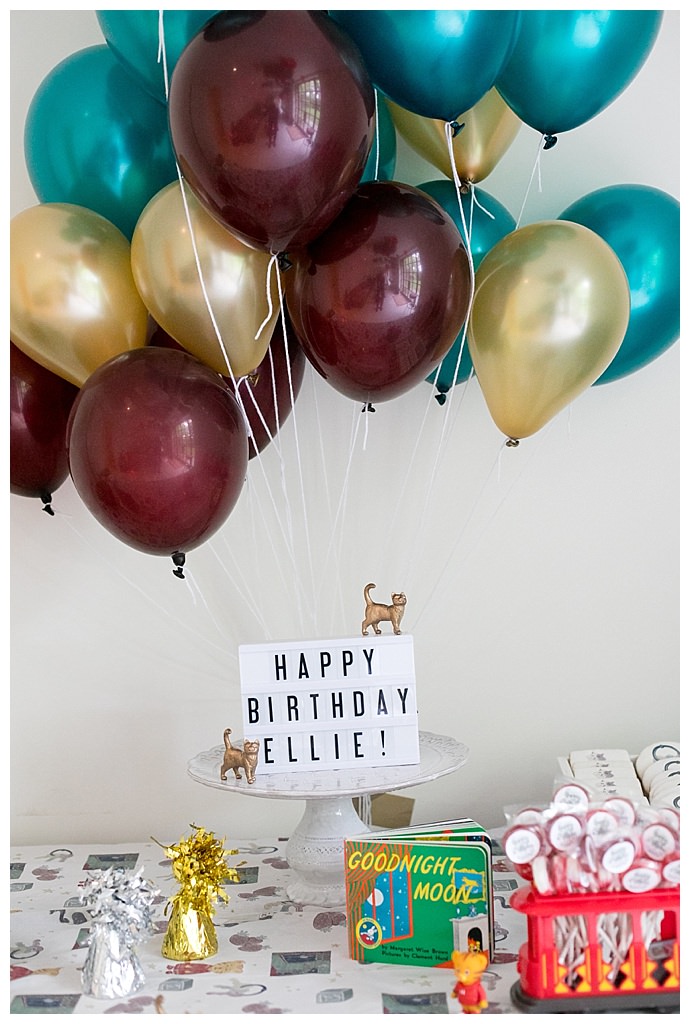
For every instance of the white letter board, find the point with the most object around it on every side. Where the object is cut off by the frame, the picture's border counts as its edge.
(324, 704)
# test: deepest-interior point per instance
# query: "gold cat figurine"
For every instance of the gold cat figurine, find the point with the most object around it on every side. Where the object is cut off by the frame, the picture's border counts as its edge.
(375, 613)
(246, 757)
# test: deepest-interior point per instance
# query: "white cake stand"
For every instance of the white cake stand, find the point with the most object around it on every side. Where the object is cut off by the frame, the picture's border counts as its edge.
(315, 849)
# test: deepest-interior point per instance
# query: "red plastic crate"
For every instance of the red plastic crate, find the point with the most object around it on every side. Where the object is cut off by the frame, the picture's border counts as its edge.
(644, 974)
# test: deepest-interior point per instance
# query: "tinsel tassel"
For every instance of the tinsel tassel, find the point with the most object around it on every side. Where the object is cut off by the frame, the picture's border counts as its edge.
(191, 934)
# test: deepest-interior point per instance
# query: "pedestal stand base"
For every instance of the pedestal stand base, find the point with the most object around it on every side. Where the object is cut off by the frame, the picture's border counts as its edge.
(315, 851)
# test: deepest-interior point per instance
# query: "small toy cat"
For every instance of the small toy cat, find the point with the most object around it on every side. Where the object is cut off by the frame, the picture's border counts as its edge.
(245, 757)
(375, 613)
(468, 989)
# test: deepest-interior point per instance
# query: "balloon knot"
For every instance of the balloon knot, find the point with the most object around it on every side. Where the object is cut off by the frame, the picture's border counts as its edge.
(440, 398)
(368, 408)
(550, 141)
(512, 442)
(46, 498)
(179, 560)
(456, 128)
(284, 261)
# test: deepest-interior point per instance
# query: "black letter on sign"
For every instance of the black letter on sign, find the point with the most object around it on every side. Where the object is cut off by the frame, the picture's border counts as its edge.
(252, 710)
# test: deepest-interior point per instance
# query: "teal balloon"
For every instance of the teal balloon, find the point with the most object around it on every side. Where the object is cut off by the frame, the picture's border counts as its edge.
(380, 165)
(642, 226)
(567, 66)
(435, 63)
(133, 37)
(487, 221)
(94, 138)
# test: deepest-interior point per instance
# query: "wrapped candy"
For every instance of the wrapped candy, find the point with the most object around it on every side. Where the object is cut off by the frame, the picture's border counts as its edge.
(199, 864)
(121, 906)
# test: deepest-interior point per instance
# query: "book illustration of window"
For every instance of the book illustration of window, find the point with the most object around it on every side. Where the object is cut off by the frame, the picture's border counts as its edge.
(471, 931)
(470, 886)
(390, 905)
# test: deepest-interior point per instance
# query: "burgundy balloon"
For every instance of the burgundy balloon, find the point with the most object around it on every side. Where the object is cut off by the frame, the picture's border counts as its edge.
(269, 389)
(40, 404)
(272, 118)
(378, 299)
(272, 389)
(157, 449)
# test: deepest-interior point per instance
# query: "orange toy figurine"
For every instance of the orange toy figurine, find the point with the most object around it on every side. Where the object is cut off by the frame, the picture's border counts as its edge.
(468, 989)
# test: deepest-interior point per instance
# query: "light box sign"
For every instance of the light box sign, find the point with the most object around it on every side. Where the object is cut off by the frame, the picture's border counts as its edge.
(323, 704)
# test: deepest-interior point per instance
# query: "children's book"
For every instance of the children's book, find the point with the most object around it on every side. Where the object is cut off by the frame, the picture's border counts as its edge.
(413, 895)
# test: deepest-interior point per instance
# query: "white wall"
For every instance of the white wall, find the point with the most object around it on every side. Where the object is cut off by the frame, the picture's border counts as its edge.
(542, 582)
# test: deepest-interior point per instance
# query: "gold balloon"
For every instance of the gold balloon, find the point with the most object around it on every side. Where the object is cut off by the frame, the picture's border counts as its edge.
(73, 301)
(490, 129)
(234, 279)
(550, 310)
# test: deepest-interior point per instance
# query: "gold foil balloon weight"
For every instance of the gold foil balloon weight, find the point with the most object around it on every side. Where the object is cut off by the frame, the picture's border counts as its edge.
(199, 865)
(191, 933)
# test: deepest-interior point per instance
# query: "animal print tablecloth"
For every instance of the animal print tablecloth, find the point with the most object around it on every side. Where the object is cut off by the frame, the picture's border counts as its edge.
(274, 955)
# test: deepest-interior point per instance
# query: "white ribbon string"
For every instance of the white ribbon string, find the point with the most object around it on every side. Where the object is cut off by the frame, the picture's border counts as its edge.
(273, 262)
(216, 329)
(377, 136)
(162, 55)
(536, 169)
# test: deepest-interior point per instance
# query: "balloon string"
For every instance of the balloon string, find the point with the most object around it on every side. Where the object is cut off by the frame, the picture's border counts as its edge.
(230, 374)
(202, 283)
(475, 202)
(284, 527)
(250, 396)
(488, 521)
(244, 592)
(162, 55)
(269, 298)
(340, 533)
(367, 413)
(194, 588)
(536, 169)
(181, 624)
(468, 242)
(276, 438)
(378, 148)
(295, 431)
(465, 326)
(338, 520)
(408, 475)
(458, 190)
